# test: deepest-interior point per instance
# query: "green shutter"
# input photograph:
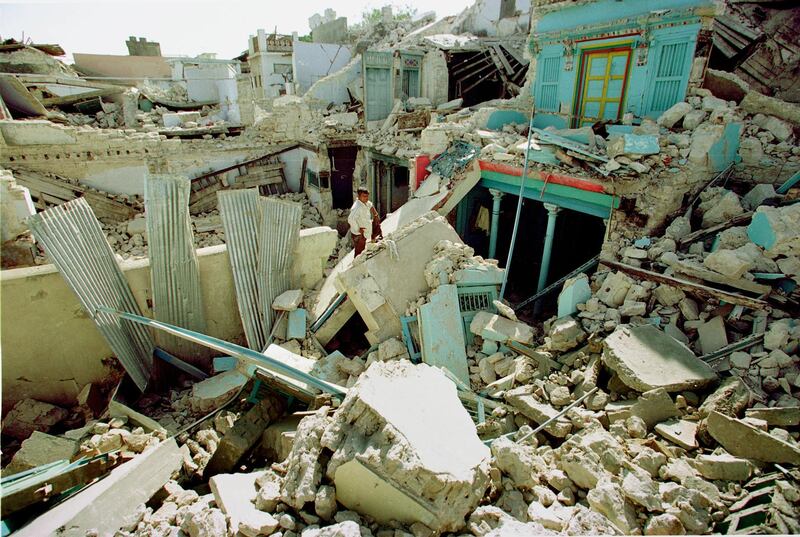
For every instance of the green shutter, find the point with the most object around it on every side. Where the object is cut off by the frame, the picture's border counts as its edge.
(672, 67)
(547, 94)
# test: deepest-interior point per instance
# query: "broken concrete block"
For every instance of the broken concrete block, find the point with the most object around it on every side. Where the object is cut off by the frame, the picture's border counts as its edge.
(607, 498)
(325, 502)
(565, 334)
(726, 207)
(668, 295)
(212, 392)
(646, 358)
(234, 495)
(640, 489)
(497, 328)
(664, 524)
(518, 461)
(505, 310)
(775, 229)
(674, 114)
(614, 289)
(654, 406)
(522, 400)
(244, 435)
(712, 335)
(574, 291)
(29, 415)
(348, 528)
(743, 440)
(776, 416)
(288, 300)
(740, 360)
(39, 449)
(441, 331)
(723, 467)
(405, 449)
(682, 433)
(728, 263)
(758, 195)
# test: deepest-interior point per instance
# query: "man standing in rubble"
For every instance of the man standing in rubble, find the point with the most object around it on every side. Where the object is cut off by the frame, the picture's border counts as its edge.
(361, 219)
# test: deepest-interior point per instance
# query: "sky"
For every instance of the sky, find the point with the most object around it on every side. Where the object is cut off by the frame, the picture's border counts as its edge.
(183, 27)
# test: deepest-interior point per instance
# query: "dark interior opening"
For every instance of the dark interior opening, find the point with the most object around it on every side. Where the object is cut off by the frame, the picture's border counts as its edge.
(343, 163)
(350, 340)
(399, 187)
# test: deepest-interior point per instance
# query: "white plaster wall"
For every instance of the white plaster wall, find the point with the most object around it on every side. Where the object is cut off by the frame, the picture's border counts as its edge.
(314, 61)
(435, 78)
(271, 82)
(293, 165)
(333, 88)
(201, 80)
(485, 17)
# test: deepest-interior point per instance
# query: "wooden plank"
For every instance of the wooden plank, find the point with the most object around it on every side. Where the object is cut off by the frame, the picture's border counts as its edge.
(714, 277)
(502, 58)
(690, 287)
(703, 233)
(545, 364)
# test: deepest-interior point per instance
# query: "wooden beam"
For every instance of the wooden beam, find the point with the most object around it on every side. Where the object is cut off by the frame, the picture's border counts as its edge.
(703, 233)
(690, 287)
(715, 277)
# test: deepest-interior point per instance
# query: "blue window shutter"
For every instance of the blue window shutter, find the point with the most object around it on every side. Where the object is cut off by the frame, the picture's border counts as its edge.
(547, 83)
(673, 63)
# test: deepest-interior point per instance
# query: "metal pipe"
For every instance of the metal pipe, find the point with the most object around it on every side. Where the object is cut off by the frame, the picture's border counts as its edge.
(522, 180)
(563, 411)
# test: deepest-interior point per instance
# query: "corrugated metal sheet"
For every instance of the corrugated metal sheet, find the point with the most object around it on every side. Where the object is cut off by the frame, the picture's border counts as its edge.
(280, 227)
(74, 241)
(174, 271)
(241, 216)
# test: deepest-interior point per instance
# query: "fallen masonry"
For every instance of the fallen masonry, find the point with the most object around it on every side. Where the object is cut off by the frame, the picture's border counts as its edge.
(577, 311)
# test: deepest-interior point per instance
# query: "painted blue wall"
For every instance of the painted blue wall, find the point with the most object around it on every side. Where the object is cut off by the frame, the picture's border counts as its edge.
(672, 32)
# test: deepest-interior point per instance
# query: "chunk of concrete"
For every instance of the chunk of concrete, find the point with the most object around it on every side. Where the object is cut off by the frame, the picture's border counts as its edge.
(674, 114)
(743, 440)
(565, 334)
(614, 289)
(758, 195)
(400, 434)
(607, 498)
(39, 449)
(288, 300)
(212, 392)
(497, 328)
(682, 433)
(654, 406)
(723, 467)
(234, 495)
(278, 438)
(522, 400)
(632, 144)
(776, 416)
(646, 358)
(775, 229)
(712, 335)
(30, 415)
(729, 263)
(574, 291)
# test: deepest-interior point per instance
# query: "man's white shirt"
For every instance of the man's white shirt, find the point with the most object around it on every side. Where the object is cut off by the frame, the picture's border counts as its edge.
(361, 216)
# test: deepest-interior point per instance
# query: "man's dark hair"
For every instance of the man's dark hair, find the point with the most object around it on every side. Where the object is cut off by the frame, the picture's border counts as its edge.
(362, 190)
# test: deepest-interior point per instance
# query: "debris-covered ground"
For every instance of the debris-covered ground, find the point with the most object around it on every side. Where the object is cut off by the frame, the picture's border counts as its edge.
(401, 392)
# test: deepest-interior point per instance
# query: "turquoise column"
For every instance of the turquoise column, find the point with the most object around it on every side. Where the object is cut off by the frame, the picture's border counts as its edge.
(552, 213)
(496, 197)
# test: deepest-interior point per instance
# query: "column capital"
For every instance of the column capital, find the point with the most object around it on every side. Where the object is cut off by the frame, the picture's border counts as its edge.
(497, 194)
(552, 209)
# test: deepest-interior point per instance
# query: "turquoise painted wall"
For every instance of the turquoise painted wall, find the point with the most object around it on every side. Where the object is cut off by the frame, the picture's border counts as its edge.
(661, 57)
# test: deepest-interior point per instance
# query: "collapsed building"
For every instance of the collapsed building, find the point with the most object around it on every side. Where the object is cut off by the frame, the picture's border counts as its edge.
(581, 315)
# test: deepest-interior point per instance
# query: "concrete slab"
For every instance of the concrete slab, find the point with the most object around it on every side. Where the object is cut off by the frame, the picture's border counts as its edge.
(574, 291)
(210, 393)
(682, 433)
(420, 439)
(442, 332)
(723, 466)
(646, 358)
(712, 335)
(235, 495)
(288, 300)
(776, 416)
(296, 327)
(497, 328)
(743, 440)
(654, 406)
(39, 449)
(104, 507)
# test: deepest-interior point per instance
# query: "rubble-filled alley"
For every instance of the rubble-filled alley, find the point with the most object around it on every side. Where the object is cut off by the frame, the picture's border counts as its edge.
(531, 269)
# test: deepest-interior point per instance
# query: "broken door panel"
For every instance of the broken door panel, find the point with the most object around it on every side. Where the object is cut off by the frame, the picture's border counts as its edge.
(442, 332)
(379, 93)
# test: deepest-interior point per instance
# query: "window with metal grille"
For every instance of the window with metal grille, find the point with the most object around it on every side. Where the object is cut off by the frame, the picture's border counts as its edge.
(473, 299)
(671, 76)
(547, 96)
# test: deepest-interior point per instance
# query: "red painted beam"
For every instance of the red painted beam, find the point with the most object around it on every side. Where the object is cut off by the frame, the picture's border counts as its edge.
(549, 177)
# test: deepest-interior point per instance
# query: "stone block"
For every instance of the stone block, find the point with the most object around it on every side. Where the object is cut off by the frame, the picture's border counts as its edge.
(775, 229)
(29, 415)
(758, 195)
(39, 449)
(565, 334)
(212, 392)
(646, 358)
(674, 114)
(614, 289)
(723, 467)
(574, 291)
(712, 335)
(288, 300)
(654, 406)
(682, 433)
(522, 400)
(729, 263)
(235, 495)
(500, 329)
(632, 144)
(743, 440)
(400, 433)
